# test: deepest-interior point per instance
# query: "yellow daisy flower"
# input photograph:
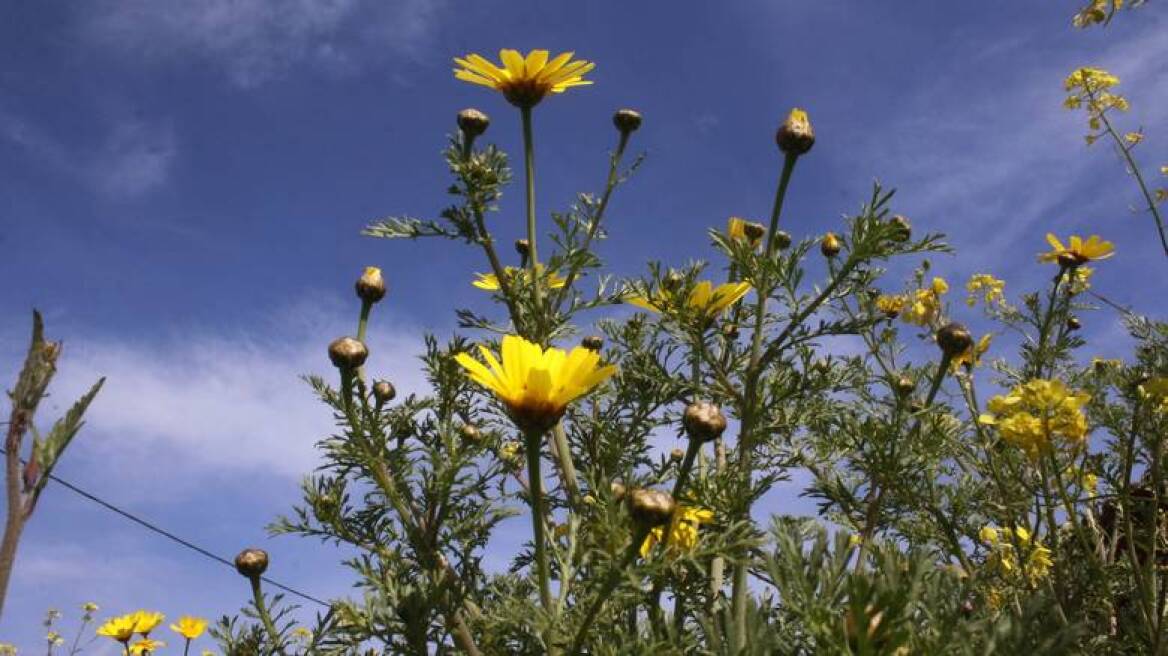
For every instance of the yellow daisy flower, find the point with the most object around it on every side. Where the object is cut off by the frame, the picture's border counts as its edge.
(118, 628)
(683, 530)
(189, 627)
(704, 297)
(145, 621)
(536, 384)
(146, 646)
(490, 282)
(1079, 251)
(524, 81)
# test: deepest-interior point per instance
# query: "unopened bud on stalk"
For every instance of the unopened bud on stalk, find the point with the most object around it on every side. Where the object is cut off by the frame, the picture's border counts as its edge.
(523, 248)
(795, 136)
(753, 231)
(677, 455)
(1073, 324)
(471, 433)
(383, 392)
(472, 122)
(673, 281)
(347, 353)
(703, 421)
(252, 563)
(905, 386)
(592, 342)
(626, 120)
(954, 339)
(651, 507)
(830, 246)
(730, 331)
(371, 285)
(903, 228)
(782, 239)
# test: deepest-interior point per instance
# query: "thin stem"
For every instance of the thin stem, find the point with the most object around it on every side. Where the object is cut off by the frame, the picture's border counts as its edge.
(1135, 171)
(563, 455)
(533, 253)
(535, 483)
(265, 617)
(606, 589)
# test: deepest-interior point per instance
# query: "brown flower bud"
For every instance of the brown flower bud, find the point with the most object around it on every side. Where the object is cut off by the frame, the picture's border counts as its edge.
(618, 490)
(650, 507)
(626, 120)
(903, 227)
(371, 286)
(472, 122)
(347, 353)
(954, 339)
(730, 331)
(703, 421)
(795, 136)
(677, 455)
(830, 246)
(782, 239)
(471, 433)
(523, 248)
(383, 392)
(252, 563)
(592, 342)
(673, 281)
(905, 386)
(753, 231)
(1073, 324)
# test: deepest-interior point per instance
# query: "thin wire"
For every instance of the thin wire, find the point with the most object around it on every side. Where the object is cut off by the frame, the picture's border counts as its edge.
(171, 536)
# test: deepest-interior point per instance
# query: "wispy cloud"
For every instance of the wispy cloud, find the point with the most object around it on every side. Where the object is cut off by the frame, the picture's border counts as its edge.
(254, 41)
(135, 158)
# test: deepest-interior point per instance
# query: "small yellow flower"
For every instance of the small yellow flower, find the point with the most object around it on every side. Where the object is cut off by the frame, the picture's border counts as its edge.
(972, 357)
(683, 530)
(1037, 412)
(1079, 251)
(1164, 170)
(7, 649)
(924, 306)
(490, 282)
(89, 607)
(524, 81)
(989, 288)
(710, 301)
(891, 306)
(1097, 12)
(118, 628)
(302, 634)
(145, 621)
(536, 384)
(189, 627)
(146, 646)
(1133, 138)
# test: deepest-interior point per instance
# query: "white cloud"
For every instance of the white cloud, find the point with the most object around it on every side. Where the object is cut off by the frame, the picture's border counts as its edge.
(254, 41)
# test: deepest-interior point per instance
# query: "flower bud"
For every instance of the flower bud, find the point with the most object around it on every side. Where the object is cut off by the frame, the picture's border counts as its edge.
(830, 246)
(371, 286)
(673, 281)
(954, 339)
(471, 434)
(617, 489)
(1073, 324)
(347, 353)
(782, 239)
(252, 563)
(592, 342)
(903, 230)
(472, 122)
(795, 136)
(677, 455)
(753, 231)
(905, 386)
(730, 331)
(650, 507)
(703, 421)
(383, 392)
(626, 120)
(523, 248)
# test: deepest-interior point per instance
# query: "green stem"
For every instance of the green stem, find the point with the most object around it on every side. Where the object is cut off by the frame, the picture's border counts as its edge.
(535, 484)
(1135, 171)
(265, 617)
(564, 459)
(187, 648)
(533, 256)
(606, 589)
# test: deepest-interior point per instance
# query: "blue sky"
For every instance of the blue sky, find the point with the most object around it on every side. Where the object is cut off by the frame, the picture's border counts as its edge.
(183, 185)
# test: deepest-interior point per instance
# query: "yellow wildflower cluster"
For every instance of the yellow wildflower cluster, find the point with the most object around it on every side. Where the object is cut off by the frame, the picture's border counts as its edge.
(1155, 390)
(1077, 280)
(705, 298)
(991, 290)
(1097, 12)
(141, 622)
(490, 282)
(1037, 412)
(683, 530)
(1005, 546)
(1088, 88)
(924, 305)
(891, 305)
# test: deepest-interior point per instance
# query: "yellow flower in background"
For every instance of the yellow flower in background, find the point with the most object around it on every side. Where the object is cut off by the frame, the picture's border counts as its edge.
(1078, 251)
(7, 649)
(683, 530)
(924, 306)
(972, 356)
(1037, 412)
(490, 282)
(1097, 12)
(536, 384)
(146, 621)
(1156, 390)
(1133, 138)
(704, 298)
(1090, 79)
(189, 627)
(1077, 280)
(739, 229)
(1004, 546)
(146, 646)
(524, 81)
(302, 634)
(991, 290)
(118, 628)
(892, 305)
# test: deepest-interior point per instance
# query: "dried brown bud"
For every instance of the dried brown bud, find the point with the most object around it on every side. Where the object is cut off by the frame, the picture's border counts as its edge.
(650, 507)
(954, 339)
(371, 286)
(383, 392)
(905, 386)
(472, 122)
(626, 120)
(830, 246)
(252, 563)
(782, 239)
(795, 136)
(592, 342)
(347, 353)
(903, 228)
(703, 421)
(677, 455)
(471, 433)
(753, 231)
(1073, 324)
(523, 248)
